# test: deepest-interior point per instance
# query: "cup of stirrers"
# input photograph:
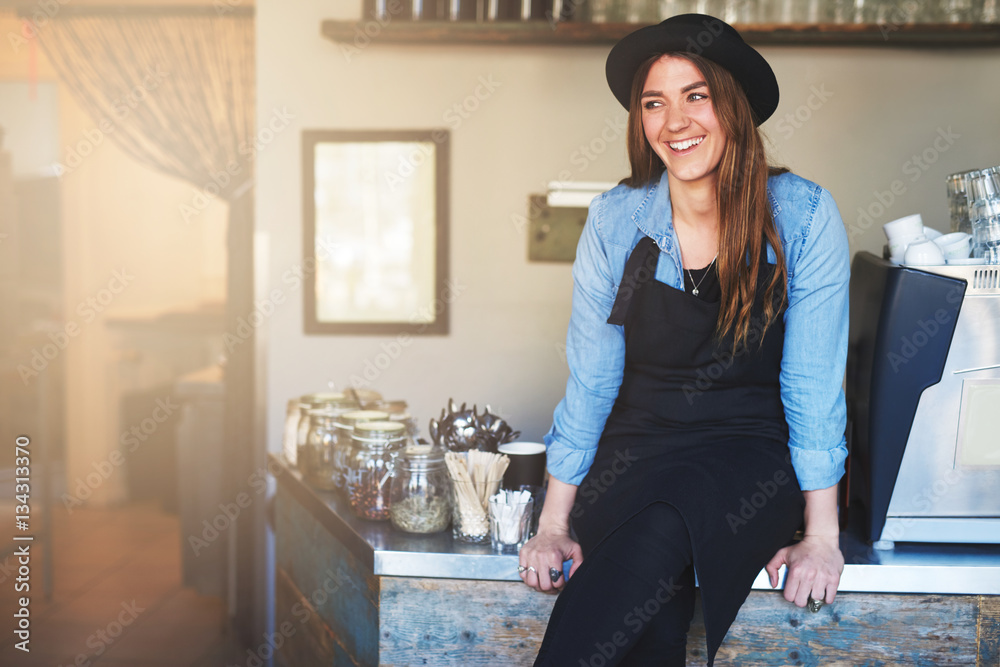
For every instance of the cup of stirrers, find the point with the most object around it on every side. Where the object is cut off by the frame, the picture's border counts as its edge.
(475, 476)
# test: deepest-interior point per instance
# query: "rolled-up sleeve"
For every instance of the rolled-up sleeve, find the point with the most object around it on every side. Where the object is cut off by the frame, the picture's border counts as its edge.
(815, 351)
(595, 353)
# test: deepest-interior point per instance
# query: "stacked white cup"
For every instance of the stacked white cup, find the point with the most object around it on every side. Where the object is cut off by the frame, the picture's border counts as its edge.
(901, 233)
(913, 244)
(955, 246)
(923, 252)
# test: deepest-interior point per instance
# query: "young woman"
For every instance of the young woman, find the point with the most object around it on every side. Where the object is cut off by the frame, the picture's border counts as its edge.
(703, 422)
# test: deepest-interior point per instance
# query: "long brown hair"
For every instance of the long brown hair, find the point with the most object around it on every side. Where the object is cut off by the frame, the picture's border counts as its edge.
(745, 219)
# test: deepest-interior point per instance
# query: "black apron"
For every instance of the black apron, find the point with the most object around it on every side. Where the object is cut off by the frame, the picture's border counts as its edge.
(699, 427)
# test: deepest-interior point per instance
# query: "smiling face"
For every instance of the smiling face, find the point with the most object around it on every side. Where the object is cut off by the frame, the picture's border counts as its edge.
(679, 121)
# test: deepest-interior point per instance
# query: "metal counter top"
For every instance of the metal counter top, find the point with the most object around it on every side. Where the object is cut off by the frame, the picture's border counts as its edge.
(910, 568)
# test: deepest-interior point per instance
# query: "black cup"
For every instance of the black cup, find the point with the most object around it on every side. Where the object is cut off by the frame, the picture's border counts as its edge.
(527, 464)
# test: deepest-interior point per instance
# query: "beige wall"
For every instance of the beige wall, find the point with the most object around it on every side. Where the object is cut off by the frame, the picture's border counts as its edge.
(872, 110)
(116, 214)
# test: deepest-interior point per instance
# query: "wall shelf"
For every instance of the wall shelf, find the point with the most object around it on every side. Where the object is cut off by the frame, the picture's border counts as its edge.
(543, 33)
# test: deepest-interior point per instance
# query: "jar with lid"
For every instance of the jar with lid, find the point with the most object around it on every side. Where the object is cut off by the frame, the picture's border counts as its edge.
(398, 412)
(338, 402)
(316, 456)
(419, 499)
(390, 406)
(342, 448)
(365, 397)
(371, 463)
(407, 420)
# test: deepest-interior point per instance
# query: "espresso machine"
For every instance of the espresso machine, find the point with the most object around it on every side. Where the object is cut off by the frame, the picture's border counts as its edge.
(923, 400)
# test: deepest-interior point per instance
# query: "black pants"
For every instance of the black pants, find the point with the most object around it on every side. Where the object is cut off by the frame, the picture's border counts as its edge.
(631, 601)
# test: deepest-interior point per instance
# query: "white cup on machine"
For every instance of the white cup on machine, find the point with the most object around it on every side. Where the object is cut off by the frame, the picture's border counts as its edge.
(957, 245)
(923, 252)
(901, 233)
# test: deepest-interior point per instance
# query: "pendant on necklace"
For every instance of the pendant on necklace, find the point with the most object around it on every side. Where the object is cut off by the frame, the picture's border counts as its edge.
(696, 285)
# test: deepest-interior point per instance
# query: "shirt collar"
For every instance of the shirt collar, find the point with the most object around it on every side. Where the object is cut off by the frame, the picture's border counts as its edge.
(655, 218)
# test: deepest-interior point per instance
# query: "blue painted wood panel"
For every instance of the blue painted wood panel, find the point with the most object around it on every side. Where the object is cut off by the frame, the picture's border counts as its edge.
(859, 629)
(305, 638)
(342, 590)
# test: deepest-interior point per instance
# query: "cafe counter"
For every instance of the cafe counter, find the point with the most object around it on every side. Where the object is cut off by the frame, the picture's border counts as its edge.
(355, 592)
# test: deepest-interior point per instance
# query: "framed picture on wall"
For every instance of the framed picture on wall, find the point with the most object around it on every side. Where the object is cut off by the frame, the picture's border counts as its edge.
(375, 231)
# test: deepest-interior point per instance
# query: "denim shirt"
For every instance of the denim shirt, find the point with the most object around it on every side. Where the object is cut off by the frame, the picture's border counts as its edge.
(817, 257)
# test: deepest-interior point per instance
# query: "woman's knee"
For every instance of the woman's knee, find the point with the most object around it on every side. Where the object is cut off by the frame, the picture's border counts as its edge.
(662, 525)
(653, 545)
(662, 517)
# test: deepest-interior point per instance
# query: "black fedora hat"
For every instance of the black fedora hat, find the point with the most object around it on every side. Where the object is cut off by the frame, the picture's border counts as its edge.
(702, 35)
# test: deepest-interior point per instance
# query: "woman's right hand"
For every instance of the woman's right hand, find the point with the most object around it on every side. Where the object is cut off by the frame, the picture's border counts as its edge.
(548, 549)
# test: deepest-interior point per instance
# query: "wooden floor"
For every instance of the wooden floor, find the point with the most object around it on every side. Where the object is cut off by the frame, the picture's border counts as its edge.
(117, 597)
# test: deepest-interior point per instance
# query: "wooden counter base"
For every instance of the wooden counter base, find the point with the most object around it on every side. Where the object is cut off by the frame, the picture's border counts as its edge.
(330, 609)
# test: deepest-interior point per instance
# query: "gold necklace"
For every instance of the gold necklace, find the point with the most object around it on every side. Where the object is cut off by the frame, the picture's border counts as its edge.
(707, 269)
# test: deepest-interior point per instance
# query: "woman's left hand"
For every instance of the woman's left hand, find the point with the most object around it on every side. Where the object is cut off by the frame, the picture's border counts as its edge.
(814, 567)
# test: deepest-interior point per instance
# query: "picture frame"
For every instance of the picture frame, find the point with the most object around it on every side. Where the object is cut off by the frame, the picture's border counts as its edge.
(375, 231)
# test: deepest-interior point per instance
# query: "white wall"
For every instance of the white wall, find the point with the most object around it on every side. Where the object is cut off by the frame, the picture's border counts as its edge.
(880, 106)
(885, 107)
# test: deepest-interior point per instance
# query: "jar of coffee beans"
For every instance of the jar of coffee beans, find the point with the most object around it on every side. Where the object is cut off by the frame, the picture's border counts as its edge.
(343, 446)
(376, 445)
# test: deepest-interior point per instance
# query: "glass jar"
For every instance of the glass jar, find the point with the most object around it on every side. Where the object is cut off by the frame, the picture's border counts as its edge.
(392, 407)
(958, 201)
(397, 410)
(984, 212)
(365, 397)
(343, 447)
(407, 420)
(957, 11)
(990, 12)
(376, 445)
(338, 402)
(316, 457)
(290, 438)
(419, 498)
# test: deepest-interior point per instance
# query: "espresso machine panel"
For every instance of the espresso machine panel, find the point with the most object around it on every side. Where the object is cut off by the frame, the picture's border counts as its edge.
(923, 389)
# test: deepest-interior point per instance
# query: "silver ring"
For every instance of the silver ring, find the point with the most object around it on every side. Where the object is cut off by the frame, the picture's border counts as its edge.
(555, 574)
(522, 569)
(814, 605)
